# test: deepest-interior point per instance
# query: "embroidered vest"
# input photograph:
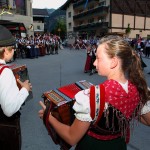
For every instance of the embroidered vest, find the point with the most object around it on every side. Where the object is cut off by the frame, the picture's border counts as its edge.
(110, 123)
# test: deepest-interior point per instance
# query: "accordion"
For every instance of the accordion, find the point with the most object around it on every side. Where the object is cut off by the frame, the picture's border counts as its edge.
(59, 103)
(21, 72)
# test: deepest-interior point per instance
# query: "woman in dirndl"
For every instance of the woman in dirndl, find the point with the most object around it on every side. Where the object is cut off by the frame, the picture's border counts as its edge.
(88, 59)
(104, 112)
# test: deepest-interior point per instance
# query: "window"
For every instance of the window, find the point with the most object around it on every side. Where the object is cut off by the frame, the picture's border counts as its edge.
(20, 7)
(102, 3)
(148, 36)
(69, 25)
(91, 7)
(91, 20)
(69, 14)
(137, 36)
(81, 11)
(101, 19)
(38, 27)
(81, 22)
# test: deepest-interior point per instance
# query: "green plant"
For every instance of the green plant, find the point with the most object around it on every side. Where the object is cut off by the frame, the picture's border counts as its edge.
(128, 29)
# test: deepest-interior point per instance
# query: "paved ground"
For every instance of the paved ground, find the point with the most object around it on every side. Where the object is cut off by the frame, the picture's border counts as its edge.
(51, 72)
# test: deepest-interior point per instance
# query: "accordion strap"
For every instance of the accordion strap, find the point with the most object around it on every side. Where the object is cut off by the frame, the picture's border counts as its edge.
(2, 67)
(46, 121)
(55, 137)
(97, 102)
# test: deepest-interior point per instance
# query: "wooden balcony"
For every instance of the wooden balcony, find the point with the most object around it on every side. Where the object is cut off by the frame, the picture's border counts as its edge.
(81, 3)
(91, 26)
(98, 11)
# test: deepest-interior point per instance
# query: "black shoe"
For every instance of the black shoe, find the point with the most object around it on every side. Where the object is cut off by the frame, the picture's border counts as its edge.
(148, 73)
(91, 73)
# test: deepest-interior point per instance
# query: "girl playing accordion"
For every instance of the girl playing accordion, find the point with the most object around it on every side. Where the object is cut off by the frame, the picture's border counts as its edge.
(104, 112)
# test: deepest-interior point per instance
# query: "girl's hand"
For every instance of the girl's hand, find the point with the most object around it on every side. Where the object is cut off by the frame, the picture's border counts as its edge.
(41, 112)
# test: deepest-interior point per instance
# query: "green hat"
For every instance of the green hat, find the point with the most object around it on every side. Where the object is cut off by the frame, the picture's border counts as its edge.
(6, 38)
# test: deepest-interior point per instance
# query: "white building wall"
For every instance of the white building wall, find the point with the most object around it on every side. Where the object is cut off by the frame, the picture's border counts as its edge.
(69, 20)
(139, 25)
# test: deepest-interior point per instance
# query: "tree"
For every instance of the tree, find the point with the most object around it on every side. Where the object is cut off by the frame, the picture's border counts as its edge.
(128, 29)
(60, 28)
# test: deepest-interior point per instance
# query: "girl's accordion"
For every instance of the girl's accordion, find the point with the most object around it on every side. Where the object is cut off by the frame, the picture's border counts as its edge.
(59, 103)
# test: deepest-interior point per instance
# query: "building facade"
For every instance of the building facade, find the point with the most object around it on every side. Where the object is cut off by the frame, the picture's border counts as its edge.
(39, 20)
(101, 17)
(16, 15)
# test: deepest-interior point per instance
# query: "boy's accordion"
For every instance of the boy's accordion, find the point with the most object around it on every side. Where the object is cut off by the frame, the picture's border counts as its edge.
(21, 72)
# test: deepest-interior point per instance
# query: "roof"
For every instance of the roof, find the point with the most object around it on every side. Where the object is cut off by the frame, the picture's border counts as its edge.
(40, 12)
(64, 6)
(68, 2)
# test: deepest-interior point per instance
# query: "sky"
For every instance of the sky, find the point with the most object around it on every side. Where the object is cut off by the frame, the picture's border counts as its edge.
(48, 3)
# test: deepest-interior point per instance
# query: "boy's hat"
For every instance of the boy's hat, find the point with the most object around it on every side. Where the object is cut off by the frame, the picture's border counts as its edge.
(6, 38)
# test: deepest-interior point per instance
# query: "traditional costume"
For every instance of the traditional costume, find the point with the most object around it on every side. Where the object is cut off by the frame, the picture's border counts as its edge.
(109, 107)
(11, 100)
(88, 62)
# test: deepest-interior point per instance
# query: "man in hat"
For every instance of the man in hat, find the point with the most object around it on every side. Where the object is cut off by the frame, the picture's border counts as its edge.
(11, 98)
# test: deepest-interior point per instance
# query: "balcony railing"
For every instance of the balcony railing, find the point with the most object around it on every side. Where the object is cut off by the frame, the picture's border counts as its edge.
(90, 26)
(81, 3)
(101, 10)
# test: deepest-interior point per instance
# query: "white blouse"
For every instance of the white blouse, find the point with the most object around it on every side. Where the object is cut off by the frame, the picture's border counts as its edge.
(82, 106)
(11, 98)
(146, 108)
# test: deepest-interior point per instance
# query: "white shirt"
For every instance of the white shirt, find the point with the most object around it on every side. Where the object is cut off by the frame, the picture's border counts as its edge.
(146, 108)
(82, 106)
(11, 98)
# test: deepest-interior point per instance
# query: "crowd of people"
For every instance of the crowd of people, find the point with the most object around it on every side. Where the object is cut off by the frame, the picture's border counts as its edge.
(39, 45)
(141, 45)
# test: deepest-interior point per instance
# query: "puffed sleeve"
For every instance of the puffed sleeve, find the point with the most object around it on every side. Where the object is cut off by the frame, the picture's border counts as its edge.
(82, 106)
(146, 108)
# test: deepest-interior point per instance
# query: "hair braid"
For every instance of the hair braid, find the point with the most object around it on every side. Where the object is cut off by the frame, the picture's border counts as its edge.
(136, 76)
